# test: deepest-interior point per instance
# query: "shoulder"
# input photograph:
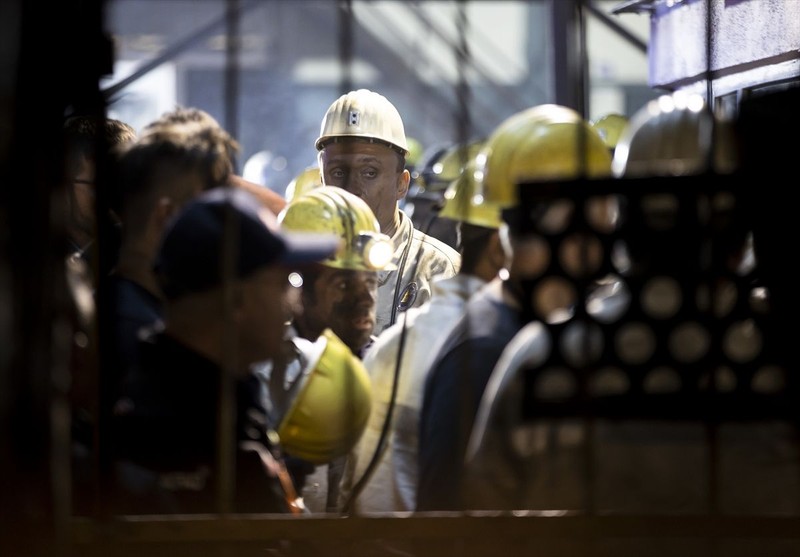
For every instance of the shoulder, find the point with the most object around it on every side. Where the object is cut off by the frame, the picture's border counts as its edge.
(386, 345)
(430, 244)
(433, 243)
(489, 320)
(437, 249)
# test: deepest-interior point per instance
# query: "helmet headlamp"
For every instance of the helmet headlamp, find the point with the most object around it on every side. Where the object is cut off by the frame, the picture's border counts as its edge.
(376, 250)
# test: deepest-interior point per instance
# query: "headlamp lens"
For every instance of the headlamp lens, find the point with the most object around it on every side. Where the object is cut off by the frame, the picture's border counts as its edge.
(378, 251)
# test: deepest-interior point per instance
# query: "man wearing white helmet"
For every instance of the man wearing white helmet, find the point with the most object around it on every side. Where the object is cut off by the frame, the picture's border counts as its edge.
(362, 149)
(383, 474)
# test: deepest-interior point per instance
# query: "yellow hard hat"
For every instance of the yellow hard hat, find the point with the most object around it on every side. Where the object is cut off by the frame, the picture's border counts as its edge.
(365, 115)
(330, 411)
(447, 164)
(674, 135)
(610, 127)
(330, 209)
(415, 151)
(545, 142)
(308, 179)
(458, 199)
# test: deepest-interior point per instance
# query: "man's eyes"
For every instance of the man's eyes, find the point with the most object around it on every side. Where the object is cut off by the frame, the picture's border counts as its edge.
(367, 172)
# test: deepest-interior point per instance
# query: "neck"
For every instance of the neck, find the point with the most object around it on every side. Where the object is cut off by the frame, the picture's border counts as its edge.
(305, 330)
(485, 269)
(393, 226)
(136, 265)
(206, 344)
(209, 342)
(512, 292)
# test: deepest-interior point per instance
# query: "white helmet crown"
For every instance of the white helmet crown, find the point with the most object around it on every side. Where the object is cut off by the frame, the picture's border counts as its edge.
(366, 115)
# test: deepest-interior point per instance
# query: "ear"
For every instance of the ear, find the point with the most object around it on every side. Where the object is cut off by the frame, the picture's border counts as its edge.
(238, 301)
(495, 251)
(165, 208)
(403, 181)
(320, 163)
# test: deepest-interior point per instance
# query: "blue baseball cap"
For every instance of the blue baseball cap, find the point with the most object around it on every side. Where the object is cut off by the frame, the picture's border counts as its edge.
(190, 257)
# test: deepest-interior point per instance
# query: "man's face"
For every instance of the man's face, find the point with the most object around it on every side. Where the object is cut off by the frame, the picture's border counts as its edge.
(343, 300)
(81, 198)
(372, 171)
(264, 310)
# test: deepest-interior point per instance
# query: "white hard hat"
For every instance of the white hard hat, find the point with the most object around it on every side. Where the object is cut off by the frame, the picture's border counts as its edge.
(366, 115)
(675, 134)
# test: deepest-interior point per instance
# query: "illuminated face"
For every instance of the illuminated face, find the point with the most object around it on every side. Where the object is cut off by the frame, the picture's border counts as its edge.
(372, 171)
(343, 300)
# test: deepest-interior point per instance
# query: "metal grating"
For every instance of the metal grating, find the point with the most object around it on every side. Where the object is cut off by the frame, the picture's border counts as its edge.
(668, 316)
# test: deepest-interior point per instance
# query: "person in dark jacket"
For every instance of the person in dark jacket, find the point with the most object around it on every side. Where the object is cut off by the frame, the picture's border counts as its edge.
(223, 267)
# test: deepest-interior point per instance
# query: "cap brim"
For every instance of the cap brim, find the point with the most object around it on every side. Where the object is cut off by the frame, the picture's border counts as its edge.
(304, 247)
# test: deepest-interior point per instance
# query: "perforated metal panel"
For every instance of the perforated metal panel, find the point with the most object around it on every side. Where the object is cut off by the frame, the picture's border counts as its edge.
(664, 313)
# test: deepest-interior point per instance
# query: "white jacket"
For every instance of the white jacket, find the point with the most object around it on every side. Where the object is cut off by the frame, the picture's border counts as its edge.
(393, 485)
(417, 262)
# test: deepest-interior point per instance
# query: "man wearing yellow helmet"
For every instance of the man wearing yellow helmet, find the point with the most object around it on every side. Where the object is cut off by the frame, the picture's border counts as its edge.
(337, 298)
(436, 171)
(307, 180)
(362, 149)
(341, 291)
(546, 143)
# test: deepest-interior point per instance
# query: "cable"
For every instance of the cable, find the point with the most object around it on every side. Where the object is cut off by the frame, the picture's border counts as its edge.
(400, 270)
(362, 481)
(462, 54)
(373, 463)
